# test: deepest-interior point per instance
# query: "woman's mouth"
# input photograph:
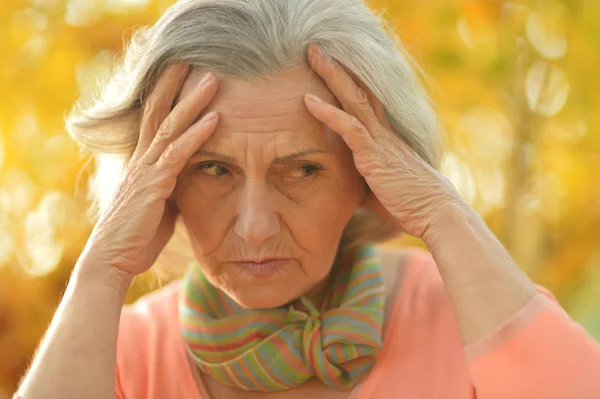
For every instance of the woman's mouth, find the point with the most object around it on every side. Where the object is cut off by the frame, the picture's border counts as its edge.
(264, 268)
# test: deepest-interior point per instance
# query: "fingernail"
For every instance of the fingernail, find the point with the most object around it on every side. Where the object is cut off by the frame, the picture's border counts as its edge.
(205, 79)
(313, 98)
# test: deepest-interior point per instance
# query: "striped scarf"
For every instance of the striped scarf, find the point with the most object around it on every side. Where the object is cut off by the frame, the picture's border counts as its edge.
(277, 349)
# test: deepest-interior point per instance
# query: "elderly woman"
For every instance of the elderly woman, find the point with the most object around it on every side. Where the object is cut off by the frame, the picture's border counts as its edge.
(290, 137)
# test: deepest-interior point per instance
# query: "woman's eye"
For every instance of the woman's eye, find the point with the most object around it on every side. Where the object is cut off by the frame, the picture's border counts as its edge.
(212, 169)
(306, 170)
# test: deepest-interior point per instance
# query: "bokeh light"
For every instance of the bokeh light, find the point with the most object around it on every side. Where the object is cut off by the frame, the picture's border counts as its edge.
(516, 86)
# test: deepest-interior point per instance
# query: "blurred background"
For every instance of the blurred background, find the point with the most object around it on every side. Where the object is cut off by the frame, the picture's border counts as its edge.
(517, 88)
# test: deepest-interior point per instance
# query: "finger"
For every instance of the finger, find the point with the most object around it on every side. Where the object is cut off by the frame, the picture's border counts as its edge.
(376, 104)
(181, 118)
(352, 131)
(159, 104)
(353, 98)
(174, 158)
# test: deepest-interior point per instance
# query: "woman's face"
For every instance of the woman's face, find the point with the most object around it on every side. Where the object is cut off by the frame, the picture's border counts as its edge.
(272, 182)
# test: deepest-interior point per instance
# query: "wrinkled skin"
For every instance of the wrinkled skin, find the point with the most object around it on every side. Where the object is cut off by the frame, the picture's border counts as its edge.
(243, 198)
(405, 189)
(239, 202)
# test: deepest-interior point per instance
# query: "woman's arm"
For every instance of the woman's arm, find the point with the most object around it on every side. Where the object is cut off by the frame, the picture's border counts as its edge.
(486, 287)
(519, 342)
(77, 357)
(484, 283)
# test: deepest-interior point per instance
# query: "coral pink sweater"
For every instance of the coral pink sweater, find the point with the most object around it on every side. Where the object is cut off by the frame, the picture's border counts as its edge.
(538, 353)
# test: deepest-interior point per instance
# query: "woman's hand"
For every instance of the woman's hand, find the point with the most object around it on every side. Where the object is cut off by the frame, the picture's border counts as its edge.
(405, 187)
(485, 286)
(141, 217)
(77, 357)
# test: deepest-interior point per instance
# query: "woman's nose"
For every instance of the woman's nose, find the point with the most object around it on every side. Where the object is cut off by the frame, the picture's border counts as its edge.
(257, 220)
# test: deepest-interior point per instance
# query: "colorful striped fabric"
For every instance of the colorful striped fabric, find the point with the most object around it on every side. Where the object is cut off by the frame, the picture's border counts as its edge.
(277, 349)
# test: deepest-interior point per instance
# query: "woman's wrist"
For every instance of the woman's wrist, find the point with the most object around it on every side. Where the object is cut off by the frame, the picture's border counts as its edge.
(85, 327)
(92, 270)
(485, 285)
(449, 219)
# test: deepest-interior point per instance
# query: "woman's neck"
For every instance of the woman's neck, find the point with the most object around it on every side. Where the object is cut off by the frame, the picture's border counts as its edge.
(318, 293)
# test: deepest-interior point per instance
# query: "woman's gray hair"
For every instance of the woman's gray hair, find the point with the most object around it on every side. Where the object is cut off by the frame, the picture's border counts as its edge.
(250, 39)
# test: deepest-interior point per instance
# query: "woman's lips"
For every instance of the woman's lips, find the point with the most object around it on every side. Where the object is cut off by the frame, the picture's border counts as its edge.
(263, 268)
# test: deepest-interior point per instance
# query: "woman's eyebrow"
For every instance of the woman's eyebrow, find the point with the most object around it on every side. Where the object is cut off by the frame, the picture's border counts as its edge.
(282, 159)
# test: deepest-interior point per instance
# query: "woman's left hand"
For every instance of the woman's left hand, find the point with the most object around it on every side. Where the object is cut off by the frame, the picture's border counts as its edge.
(404, 187)
(485, 285)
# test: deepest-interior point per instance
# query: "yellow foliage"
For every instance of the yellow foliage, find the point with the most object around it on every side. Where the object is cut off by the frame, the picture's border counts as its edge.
(518, 93)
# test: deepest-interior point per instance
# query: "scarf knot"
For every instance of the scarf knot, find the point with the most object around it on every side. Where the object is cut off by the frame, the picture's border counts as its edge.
(278, 349)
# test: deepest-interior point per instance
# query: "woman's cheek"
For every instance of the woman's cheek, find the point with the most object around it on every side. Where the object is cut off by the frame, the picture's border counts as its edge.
(212, 188)
(321, 207)
(206, 208)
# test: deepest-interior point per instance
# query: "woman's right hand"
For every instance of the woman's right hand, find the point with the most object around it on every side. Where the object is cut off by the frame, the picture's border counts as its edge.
(141, 217)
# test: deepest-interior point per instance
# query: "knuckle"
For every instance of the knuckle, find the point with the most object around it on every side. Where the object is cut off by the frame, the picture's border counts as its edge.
(166, 129)
(171, 154)
(362, 100)
(134, 173)
(377, 132)
(149, 108)
(132, 162)
(136, 155)
(356, 126)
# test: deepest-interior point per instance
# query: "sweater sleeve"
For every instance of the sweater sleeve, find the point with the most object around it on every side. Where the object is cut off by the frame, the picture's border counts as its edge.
(539, 353)
(119, 394)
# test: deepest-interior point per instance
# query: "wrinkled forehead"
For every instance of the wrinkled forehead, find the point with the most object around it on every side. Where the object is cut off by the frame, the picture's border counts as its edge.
(288, 87)
(272, 105)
